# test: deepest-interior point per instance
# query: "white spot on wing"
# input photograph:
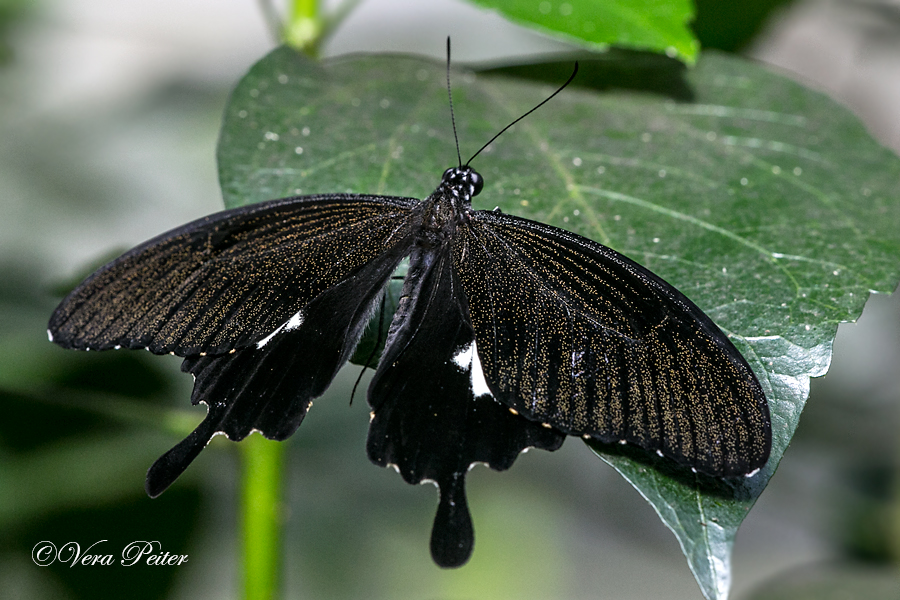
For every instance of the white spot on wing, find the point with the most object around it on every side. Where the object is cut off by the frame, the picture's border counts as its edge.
(49, 335)
(467, 360)
(293, 323)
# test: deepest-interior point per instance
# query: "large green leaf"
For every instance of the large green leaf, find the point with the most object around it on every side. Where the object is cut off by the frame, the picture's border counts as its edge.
(658, 25)
(766, 203)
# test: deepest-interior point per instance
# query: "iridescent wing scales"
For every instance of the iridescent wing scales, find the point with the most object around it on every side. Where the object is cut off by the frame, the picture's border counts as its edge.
(575, 335)
(227, 280)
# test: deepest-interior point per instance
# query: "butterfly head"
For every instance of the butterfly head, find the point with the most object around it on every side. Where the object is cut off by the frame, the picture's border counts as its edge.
(465, 179)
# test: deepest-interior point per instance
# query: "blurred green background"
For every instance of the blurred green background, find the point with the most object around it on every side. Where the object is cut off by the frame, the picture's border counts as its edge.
(109, 114)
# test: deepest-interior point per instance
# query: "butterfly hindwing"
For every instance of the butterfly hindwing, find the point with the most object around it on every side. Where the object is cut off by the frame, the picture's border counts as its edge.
(228, 280)
(573, 334)
(432, 417)
(269, 386)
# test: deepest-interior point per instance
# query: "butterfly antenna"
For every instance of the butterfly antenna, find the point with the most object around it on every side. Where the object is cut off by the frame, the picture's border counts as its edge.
(450, 96)
(545, 101)
(371, 354)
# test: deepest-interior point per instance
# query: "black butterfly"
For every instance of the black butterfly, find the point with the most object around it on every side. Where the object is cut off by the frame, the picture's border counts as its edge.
(509, 334)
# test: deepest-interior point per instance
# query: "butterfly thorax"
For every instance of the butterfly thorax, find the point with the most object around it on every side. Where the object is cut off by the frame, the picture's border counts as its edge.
(450, 203)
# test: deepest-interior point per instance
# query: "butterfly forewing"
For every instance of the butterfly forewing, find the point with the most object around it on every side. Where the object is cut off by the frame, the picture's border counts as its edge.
(573, 334)
(228, 280)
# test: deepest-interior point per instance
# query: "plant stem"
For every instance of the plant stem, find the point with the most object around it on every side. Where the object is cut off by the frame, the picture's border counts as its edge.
(304, 26)
(261, 476)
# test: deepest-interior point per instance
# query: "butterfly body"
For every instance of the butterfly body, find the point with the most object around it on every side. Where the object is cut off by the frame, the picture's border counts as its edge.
(509, 334)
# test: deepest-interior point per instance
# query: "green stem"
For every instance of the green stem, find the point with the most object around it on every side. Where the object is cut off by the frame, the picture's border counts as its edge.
(303, 29)
(262, 461)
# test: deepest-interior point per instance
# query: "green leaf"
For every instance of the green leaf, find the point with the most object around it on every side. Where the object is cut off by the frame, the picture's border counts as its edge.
(368, 351)
(732, 25)
(766, 203)
(657, 25)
